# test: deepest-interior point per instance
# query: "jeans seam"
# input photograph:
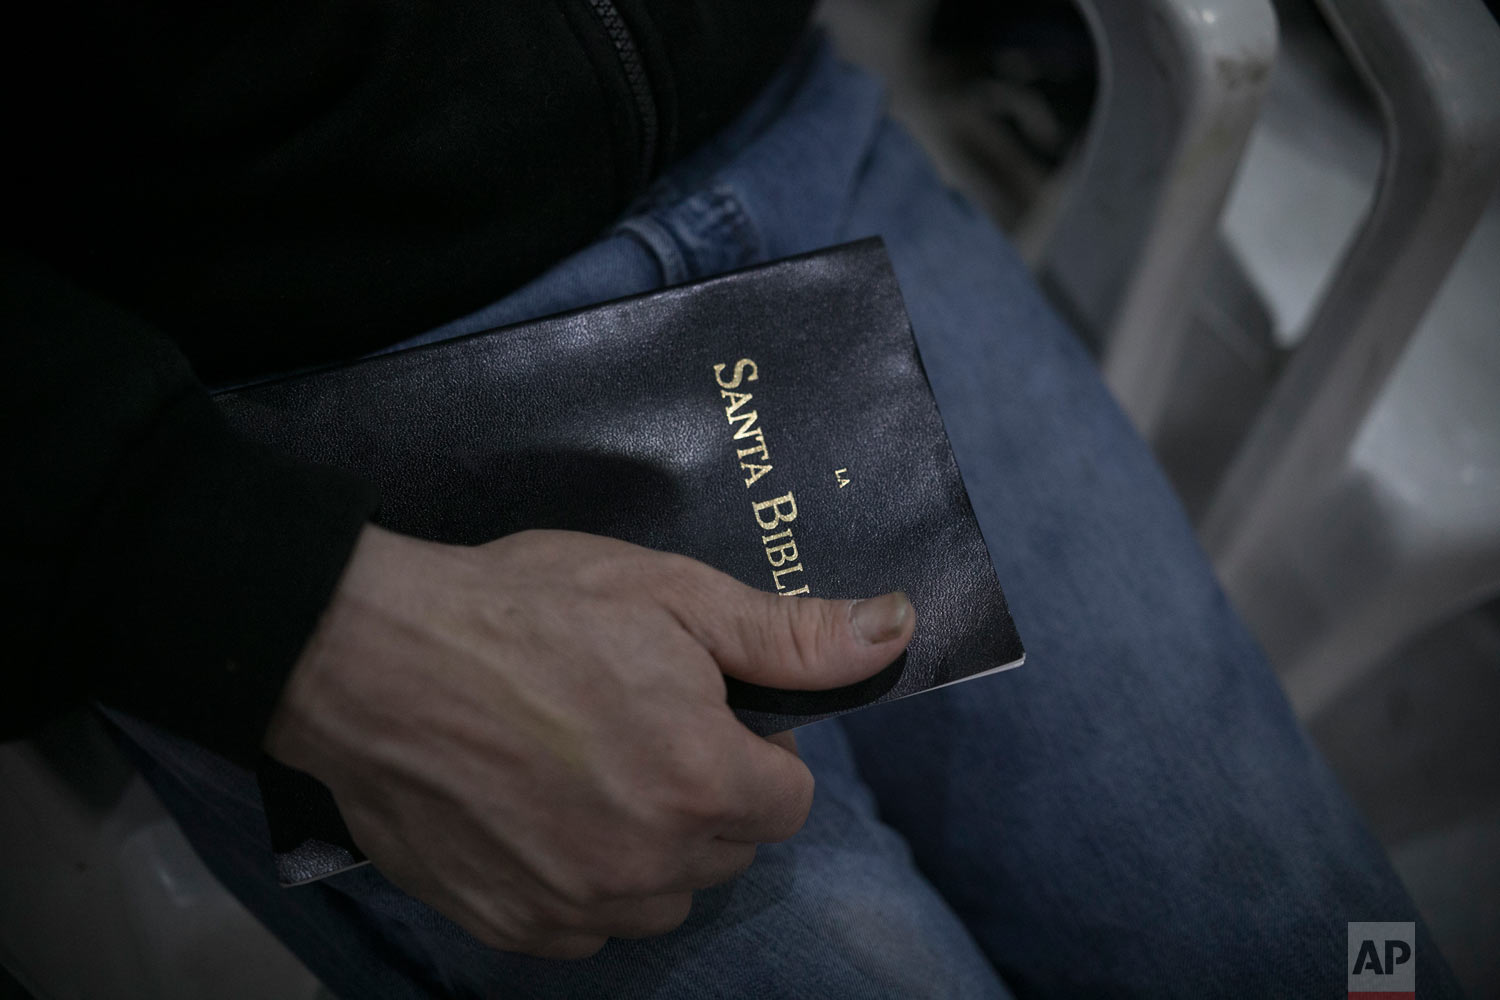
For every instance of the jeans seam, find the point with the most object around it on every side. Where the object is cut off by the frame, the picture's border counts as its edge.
(675, 234)
(740, 227)
(660, 242)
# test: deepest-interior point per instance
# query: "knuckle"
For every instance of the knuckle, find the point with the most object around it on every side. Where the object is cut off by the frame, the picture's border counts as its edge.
(499, 926)
(582, 892)
(497, 938)
(627, 874)
(741, 863)
(578, 947)
(561, 913)
(811, 630)
(564, 946)
(572, 885)
(600, 575)
(506, 937)
(675, 579)
(704, 813)
(579, 886)
(687, 770)
(670, 914)
(620, 882)
(802, 804)
(795, 807)
(659, 915)
(671, 567)
(603, 880)
(693, 789)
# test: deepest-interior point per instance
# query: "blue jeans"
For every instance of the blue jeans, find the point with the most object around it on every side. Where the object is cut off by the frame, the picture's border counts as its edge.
(1135, 811)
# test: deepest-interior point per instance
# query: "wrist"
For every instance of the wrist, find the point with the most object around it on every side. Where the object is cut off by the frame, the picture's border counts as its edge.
(303, 729)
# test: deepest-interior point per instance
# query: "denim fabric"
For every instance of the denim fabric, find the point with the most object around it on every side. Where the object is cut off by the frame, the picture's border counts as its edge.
(1134, 812)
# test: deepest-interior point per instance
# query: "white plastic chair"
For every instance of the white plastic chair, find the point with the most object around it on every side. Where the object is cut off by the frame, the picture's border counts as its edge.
(1180, 84)
(1344, 527)
(101, 894)
(1340, 528)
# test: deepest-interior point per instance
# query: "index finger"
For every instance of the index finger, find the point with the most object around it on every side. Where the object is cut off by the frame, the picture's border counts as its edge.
(770, 788)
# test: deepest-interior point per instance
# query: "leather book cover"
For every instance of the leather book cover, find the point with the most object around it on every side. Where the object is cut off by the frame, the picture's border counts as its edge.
(775, 423)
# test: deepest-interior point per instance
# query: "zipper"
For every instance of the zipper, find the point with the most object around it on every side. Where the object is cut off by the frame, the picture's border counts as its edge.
(635, 77)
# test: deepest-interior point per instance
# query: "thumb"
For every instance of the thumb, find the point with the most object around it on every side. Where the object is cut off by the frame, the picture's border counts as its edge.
(801, 643)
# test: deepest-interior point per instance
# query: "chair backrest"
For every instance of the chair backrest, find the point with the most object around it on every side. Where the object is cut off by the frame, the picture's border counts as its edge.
(1180, 85)
(1128, 261)
(1434, 69)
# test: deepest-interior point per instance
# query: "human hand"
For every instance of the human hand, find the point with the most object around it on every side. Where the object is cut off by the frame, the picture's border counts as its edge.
(532, 735)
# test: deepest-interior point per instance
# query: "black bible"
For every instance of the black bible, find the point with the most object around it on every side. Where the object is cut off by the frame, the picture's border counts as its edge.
(774, 422)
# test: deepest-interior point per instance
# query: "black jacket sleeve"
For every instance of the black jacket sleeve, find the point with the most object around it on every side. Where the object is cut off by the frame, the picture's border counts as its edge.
(259, 186)
(152, 559)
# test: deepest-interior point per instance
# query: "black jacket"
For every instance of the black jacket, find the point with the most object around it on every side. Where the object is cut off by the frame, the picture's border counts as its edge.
(207, 192)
